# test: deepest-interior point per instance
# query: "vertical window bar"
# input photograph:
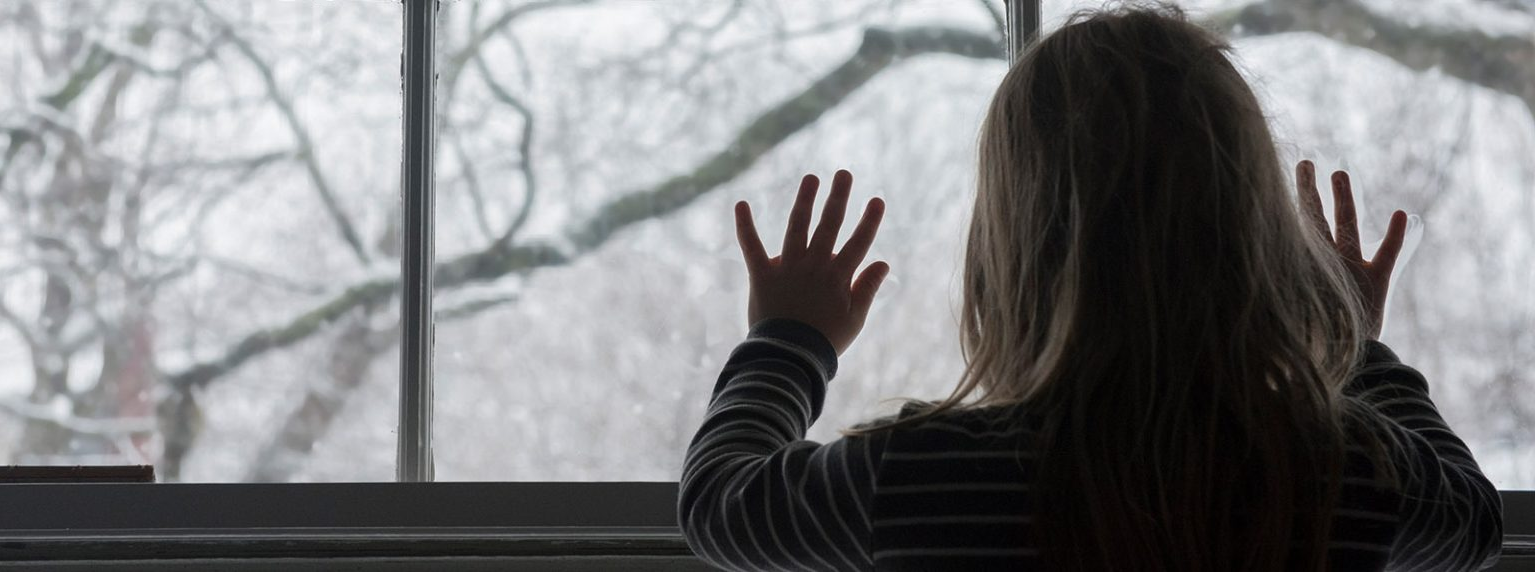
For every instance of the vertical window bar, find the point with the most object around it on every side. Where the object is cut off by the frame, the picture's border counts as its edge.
(414, 456)
(1023, 25)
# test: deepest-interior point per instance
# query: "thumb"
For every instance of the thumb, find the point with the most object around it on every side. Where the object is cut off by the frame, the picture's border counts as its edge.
(865, 286)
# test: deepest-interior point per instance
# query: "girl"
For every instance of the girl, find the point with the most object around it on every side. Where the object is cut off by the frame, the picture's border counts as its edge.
(1167, 366)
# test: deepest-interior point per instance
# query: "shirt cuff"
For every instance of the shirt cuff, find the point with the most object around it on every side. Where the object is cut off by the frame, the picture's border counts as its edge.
(801, 335)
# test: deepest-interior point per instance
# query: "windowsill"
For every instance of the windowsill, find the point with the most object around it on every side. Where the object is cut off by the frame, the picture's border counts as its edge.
(442, 526)
(457, 526)
(514, 544)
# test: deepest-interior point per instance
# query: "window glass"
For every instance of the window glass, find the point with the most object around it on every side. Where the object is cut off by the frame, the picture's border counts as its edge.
(198, 235)
(1350, 85)
(589, 156)
(585, 345)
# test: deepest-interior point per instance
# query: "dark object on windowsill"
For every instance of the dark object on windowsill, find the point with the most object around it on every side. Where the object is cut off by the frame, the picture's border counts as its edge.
(77, 474)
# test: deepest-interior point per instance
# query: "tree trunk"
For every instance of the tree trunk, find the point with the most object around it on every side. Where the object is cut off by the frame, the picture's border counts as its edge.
(352, 355)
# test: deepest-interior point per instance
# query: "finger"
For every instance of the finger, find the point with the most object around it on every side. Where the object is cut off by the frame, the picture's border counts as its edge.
(832, 215)
(751, 245)
(800, 218)
(863, 236)
(1386, 256)
(864, 287)
(1311, 203)
(1346, 232)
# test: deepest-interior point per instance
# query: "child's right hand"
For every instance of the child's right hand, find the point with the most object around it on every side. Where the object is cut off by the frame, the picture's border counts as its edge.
(1371, 276)
(808, 281)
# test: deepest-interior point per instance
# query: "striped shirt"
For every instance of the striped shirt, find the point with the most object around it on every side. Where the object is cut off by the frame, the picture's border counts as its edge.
(946, 494)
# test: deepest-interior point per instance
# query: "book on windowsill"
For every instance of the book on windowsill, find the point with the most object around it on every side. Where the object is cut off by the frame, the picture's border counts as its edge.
(11, 474)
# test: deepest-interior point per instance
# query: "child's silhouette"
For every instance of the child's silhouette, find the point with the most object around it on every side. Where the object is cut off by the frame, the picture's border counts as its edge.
(1168, 366)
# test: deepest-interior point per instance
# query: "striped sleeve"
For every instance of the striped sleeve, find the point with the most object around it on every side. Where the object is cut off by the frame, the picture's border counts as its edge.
(755, 495)
(1452, 517)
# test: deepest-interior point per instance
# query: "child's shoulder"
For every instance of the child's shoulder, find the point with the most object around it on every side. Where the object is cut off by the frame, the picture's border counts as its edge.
(987, 413)
(993, 419)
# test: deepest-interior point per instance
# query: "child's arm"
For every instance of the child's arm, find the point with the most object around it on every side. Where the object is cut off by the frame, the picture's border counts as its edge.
(754, 494)
(1451, 515)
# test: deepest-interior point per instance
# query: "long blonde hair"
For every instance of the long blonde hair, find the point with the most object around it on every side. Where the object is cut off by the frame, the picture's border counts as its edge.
(1138, 278)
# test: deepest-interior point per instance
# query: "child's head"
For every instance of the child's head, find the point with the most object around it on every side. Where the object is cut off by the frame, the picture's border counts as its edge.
(1138, 278)
(1131, 209)
(1137, 273)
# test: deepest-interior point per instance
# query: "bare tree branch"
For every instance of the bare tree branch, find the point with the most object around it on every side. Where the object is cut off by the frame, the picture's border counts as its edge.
(472, 185)
(453, 64)
(1523, 6)
(706, 34)
(524, 147)
(21, 326)
(68, 421)
(96, 61)
(91, 67)
(1502, 63)
(305, 144)
(241, 163)
(778, 36)
(178, 69)
(472, 307)
(106, 115)
(998, 20)
(473, 44)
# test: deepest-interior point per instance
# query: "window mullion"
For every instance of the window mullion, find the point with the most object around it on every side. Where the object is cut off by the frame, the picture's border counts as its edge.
(1023, 25)
(414, 456)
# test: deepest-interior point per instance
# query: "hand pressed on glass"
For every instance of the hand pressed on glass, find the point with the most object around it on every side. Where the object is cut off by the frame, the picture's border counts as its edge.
(807, 281)
(1371, 276)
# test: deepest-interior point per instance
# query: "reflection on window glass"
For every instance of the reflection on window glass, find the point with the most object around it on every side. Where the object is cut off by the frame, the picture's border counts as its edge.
(197, 236)
(589, 155)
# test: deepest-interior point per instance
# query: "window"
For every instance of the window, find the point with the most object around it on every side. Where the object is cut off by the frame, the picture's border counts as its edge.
(249, 244)
(192, 192)
(638, 125)
(614, 99)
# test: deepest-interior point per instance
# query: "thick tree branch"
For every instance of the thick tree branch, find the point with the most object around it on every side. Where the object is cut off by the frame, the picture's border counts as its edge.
(879, 50)
(1502, 63)
(267, 339)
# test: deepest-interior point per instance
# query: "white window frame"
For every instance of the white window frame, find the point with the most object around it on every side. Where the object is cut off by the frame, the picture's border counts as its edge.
(449, 526)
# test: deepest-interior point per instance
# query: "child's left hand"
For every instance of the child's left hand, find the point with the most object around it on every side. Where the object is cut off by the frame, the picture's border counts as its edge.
(807, 282)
